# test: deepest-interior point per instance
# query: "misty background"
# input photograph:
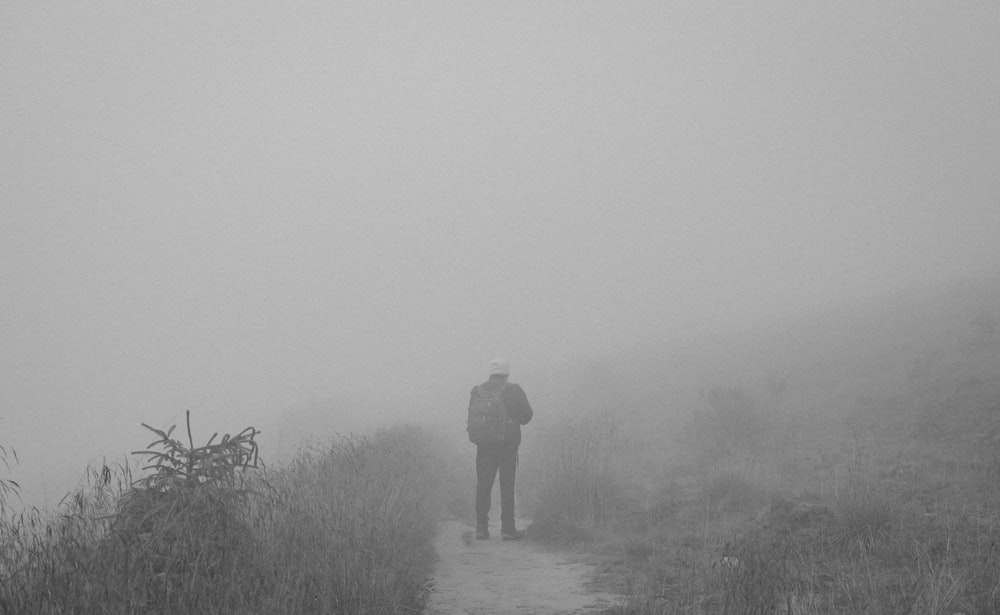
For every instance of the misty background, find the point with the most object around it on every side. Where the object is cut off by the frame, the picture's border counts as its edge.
(327, 218)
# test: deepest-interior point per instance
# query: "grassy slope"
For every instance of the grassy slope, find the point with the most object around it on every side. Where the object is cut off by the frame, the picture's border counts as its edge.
(347, 526)
(843, 463)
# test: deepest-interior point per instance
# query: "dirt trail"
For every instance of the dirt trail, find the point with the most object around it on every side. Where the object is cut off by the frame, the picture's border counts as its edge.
(492, 577)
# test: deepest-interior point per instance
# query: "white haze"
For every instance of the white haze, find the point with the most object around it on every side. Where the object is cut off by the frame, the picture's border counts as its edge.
(244, 209)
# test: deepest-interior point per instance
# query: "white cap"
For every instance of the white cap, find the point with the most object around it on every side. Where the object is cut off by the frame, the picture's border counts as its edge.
(499, 366)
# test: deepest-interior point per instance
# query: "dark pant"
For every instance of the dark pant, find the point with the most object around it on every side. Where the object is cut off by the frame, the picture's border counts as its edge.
(489, 459)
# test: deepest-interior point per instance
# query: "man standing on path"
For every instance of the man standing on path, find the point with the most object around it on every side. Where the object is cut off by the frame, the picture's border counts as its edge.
(497, 409)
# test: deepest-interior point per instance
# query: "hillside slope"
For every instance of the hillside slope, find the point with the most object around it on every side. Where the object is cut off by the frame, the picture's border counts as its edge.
(844, 462)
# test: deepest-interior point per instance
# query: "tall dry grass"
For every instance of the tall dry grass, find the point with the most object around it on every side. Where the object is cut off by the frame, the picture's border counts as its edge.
(9, 489)
(573, 479)
(346, 527)
(357, 517)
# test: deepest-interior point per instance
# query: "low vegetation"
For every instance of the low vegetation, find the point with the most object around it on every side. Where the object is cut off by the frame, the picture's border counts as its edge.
(886, 504)
(347, 526)
(864, 484)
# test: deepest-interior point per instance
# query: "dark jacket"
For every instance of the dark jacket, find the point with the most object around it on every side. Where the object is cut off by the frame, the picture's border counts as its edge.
(516, 402)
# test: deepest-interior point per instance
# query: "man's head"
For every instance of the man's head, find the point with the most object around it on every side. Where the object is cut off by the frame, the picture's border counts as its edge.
(499, 367)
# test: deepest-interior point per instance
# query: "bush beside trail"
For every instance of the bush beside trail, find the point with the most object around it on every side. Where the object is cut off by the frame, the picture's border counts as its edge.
(344, 527)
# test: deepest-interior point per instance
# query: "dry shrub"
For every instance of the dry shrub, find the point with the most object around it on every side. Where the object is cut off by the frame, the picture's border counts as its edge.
(734, 492)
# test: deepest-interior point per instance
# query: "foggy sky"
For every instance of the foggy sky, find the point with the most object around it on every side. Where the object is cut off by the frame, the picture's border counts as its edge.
(233, 208)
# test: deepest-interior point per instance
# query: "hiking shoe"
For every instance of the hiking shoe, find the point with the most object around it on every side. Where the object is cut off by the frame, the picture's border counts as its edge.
(482, 534)
(511, 535)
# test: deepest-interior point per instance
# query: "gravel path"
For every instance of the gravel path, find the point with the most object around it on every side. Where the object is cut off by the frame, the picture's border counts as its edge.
(492, 577)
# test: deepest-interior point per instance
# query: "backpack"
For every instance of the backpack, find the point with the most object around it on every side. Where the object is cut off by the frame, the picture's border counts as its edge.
(487, 423)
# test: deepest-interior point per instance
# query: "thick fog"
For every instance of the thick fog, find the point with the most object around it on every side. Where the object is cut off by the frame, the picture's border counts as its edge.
(260, 212)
